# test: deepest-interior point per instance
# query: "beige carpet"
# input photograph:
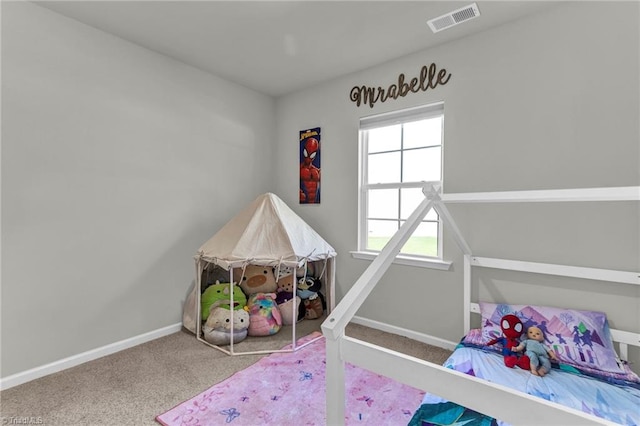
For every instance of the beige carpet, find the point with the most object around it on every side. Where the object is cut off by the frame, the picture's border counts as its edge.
(131, 387)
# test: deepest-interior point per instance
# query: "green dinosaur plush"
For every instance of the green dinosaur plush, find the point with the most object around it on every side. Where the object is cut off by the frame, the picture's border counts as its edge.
(218, 295)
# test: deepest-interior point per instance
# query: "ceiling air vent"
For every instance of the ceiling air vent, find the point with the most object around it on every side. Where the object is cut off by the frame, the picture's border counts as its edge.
(454, 18)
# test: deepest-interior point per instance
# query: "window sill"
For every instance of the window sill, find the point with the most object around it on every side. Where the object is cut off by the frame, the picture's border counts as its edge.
(419, 262)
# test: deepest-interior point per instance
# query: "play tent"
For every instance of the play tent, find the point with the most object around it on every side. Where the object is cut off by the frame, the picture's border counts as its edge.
(268, 233)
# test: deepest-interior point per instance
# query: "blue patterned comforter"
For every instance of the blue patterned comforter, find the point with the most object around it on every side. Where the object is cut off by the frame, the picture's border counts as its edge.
(617, 403)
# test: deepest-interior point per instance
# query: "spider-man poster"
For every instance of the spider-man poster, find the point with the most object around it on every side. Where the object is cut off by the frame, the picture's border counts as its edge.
(310, 166)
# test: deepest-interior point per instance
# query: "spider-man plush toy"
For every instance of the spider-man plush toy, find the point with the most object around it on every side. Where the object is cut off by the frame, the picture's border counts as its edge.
(512, 329)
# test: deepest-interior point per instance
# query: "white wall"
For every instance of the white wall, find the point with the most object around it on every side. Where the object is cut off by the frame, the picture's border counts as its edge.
(550, 101)
(117, 164)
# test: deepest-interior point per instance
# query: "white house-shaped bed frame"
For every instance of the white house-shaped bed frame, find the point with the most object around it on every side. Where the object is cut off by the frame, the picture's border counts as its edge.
(466, 390)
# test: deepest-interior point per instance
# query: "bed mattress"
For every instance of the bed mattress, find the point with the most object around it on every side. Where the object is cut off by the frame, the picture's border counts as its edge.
(619, 403)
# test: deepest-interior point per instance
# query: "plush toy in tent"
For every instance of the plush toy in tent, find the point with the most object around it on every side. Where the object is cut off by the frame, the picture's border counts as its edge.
(218, 295)
(264, 316)
(218, 330)
(284, 278)
(312, 300)
(255, 279)
(314, 306)
(290, 307)
(308, 286)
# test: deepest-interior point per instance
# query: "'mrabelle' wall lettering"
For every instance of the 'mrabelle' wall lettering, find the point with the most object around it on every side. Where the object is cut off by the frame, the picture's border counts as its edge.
(428, 79)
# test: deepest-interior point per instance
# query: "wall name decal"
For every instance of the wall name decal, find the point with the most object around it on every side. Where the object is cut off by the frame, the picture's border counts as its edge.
(429, 78)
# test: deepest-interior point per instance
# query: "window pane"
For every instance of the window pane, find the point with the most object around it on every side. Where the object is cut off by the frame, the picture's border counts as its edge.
(423, 133)
(424, 241)
(383, 203)
(384, 138)
(422, 164)
(410, 198)
(380, 232)
(384, 168)
(402, 148)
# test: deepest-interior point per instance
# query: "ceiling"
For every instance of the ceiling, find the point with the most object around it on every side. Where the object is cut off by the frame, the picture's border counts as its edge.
(277, 47)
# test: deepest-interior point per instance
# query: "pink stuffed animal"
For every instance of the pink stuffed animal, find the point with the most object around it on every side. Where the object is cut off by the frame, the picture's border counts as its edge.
(264, 315)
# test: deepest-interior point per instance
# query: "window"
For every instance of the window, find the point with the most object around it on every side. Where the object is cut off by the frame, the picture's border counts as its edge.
(400, 151)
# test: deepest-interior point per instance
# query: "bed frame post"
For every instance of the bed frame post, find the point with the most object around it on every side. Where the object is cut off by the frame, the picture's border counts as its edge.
(335, 389)
(466, 294)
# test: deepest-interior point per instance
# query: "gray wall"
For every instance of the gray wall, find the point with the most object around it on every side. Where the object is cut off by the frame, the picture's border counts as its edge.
(117, 164)
(547, 102)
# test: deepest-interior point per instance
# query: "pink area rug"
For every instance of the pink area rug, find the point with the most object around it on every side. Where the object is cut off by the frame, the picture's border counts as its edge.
(289, 389)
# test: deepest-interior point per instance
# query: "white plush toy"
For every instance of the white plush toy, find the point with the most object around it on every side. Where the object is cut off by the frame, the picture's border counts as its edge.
(217, 329)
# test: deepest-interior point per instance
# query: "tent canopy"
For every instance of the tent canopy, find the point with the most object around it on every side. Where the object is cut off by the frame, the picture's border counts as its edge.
(266, 232)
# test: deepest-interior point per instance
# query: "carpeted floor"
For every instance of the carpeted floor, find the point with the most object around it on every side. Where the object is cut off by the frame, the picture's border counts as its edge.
(133, 386)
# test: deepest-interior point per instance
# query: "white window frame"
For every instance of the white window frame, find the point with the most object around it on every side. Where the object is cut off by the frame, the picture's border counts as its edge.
(388, 119)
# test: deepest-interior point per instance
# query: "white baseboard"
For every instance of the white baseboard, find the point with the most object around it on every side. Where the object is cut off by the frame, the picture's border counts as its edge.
(414, 335)
(72, 361)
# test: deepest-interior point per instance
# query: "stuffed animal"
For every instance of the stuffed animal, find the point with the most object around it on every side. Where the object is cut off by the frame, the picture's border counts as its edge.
(314, 306)
(218, 295)
(217, 329)
(307, 287)
(264, 316)
(256, 279)
(512, 329)
(290, 307)
(284, 278)
(538, 354)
